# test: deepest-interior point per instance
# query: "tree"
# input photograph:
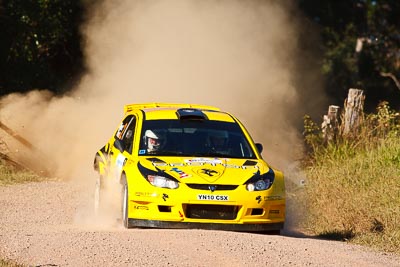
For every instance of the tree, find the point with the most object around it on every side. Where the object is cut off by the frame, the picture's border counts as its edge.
(40, 45)
(361, 40)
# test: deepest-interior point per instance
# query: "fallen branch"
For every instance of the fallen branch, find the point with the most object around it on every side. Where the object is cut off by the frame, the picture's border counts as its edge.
(16, 136)
(34, 153)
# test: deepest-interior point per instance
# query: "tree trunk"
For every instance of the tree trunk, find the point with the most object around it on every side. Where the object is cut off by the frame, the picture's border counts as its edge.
(330, 124)
(353, 115)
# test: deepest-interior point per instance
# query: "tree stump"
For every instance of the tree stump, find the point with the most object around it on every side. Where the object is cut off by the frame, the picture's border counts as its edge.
(330, 124)
(353, 112)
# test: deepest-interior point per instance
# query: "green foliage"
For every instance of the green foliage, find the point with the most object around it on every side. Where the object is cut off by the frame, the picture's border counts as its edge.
(383, 123)
(371, 26)
(9, 175)
(312, 133)
(40, 45)
(6, 263)
(353, 184)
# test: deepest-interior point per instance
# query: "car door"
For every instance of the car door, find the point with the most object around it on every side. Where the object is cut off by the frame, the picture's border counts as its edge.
(123, 144)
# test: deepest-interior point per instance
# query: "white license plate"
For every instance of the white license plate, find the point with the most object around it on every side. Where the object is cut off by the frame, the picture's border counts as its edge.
(212, 197)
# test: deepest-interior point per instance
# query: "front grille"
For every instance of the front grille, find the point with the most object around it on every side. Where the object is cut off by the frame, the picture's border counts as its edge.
(217, 212)
(217, 187)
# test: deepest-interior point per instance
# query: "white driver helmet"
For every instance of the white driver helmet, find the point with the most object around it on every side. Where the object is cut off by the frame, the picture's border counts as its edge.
(154, 140)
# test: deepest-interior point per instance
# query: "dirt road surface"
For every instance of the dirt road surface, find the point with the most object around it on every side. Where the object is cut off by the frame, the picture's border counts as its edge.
(51, 224)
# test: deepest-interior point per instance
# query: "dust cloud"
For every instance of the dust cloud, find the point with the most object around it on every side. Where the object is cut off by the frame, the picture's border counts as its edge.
(242, 56)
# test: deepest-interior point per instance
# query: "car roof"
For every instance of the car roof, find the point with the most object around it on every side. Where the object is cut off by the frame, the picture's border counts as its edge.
(157, 111)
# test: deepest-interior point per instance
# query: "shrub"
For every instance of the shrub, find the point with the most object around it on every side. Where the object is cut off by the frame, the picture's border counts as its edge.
(353, 187)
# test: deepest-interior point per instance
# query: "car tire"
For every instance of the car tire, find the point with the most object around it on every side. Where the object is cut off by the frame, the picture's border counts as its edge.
(124, 202)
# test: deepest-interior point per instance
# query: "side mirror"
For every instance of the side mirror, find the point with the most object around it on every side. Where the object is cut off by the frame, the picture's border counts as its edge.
(259, 147)
(119, 145)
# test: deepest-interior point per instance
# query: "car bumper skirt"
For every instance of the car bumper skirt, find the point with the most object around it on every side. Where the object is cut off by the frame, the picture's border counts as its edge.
(209, 226)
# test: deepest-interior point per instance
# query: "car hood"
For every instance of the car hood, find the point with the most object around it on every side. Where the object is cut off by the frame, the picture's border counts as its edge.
(203, 170)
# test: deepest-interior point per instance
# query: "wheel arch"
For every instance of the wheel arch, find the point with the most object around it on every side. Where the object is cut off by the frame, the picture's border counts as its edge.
(99, 158)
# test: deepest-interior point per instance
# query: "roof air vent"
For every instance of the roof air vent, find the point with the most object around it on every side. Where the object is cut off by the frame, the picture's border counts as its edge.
(190, 114)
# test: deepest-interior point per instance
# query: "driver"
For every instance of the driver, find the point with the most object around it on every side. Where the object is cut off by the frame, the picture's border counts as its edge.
(219, 141)
(154, 141)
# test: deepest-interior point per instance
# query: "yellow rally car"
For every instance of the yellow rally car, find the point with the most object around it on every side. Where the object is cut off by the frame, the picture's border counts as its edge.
(190, 166)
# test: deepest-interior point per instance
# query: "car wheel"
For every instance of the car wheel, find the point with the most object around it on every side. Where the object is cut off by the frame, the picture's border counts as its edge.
(124, 203)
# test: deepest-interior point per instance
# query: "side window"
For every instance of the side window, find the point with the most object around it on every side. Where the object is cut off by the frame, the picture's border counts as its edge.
(125, 133)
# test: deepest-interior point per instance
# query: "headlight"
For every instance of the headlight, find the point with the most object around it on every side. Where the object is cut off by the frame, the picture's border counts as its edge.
(163, 182)
(260, 182)
(259, 185)
(158, 178)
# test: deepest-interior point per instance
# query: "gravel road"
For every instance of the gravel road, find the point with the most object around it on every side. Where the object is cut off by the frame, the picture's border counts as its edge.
(51, 224)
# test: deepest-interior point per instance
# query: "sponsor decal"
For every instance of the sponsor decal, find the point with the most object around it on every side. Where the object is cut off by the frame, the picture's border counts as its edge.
(266, 198)
(142, 151)
(194, 164)
(121, 130)
(165, 196)
(209, 172)
(155, 160)
(145, 194)
(119, 163)
(273, 197)
(234, 166)
(213, 197)
(182, 174)
(160, 164)
(274, 211)
(141, 207)
(177, 164)
(120, 160)
(203, 160)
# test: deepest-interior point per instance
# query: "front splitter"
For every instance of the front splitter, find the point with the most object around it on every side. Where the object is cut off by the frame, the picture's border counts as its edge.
(209, 226)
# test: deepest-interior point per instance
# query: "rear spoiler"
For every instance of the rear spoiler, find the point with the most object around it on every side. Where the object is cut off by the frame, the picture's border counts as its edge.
(130, 107)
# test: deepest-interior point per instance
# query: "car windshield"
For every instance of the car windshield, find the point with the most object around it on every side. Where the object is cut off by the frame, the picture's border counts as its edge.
(199, 138)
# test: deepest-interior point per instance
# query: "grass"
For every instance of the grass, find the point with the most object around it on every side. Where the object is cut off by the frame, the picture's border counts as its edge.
(353, 187)
(5, 263)
(9, 175)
